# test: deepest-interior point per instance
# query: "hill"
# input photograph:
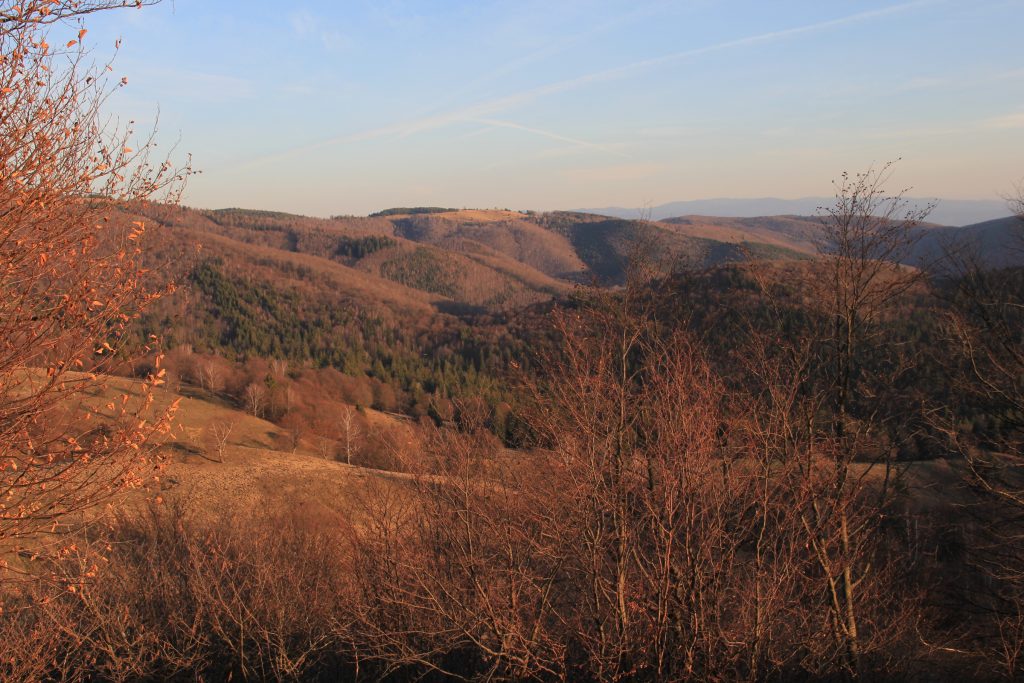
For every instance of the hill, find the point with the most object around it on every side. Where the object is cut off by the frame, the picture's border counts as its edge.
(257, 465)
(473, 259)
(993, 244)
(948, 212)
(498, 232)
(607, 245)
(418, 309)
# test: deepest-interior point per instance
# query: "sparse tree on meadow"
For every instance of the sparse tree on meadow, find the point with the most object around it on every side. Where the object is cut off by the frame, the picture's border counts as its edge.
(296, 425)
(255, 398)
(219, 432)
(350, 431)
(211, 376)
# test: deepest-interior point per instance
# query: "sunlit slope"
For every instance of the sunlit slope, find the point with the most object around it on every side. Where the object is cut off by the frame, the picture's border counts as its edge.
(256, 469)
(608, 245)
(473, 260)
(367, 259)
(501, 232)
(793, 233)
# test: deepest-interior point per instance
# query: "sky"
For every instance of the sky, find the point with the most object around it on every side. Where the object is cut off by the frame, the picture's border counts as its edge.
(328, 107)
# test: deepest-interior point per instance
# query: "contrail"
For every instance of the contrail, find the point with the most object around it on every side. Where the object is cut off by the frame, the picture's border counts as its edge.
(620, 71)
(548, 134)
(555, 48)
(482, 110)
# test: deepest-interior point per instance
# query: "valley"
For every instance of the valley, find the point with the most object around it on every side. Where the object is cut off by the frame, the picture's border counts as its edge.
(310, 405)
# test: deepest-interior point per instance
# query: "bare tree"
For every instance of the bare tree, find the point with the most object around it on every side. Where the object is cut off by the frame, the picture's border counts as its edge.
(279, 368)
(255, 398)
(72, 274)
(326, 447)
(219, 431)
(211, 377)
(865, 237)
(985, 325)
(350, 431)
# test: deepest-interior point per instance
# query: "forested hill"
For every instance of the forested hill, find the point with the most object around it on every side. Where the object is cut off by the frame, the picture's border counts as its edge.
(416, 307)
(419, 307)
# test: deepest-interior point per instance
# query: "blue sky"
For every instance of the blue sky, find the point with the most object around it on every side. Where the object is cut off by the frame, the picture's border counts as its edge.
(327, 107)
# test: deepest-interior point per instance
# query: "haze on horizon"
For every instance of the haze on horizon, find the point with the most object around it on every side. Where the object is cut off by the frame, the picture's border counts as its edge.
(324, 108)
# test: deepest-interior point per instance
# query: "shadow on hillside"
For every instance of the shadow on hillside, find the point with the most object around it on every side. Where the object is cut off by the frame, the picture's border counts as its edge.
(195, 392)
(458, 308)
(184, 449)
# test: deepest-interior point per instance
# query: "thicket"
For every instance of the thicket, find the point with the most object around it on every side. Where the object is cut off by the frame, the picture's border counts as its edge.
(398, 211)
(663, 525)
(242, 318)
(421, 269)
(358, 247)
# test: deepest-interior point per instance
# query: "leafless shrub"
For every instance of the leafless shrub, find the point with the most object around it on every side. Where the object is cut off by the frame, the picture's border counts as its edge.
(256, 597)
(983, 325)
(217, 435)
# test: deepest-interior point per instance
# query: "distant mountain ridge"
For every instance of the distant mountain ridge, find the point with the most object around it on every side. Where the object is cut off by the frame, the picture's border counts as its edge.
(956, 212)
(472, 261)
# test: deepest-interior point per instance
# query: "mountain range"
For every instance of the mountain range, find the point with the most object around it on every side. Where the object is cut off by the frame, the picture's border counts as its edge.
(946, 212)
(463, 260)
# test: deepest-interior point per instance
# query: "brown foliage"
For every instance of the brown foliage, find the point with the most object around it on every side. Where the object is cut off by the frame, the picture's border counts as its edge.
(659, 530)
(259, 598)
(72, 275)
(984, 325)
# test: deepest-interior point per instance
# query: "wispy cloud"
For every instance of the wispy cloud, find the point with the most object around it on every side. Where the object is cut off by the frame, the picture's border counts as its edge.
(558, 46)
(1014, 120)
(1011, 75)
(658, 132)
(948, 129)
(306, 26)
(619, 72)
(187, 84)
(497, 123)
(488, 108)
(947, 81)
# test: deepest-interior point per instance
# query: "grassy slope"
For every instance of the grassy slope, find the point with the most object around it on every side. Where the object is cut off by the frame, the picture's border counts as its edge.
(793, 233)
(255, 471)
(502, 232)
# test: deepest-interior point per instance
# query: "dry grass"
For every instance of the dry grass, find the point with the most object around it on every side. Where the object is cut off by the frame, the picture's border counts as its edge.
(789, 232)
(257, 471)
